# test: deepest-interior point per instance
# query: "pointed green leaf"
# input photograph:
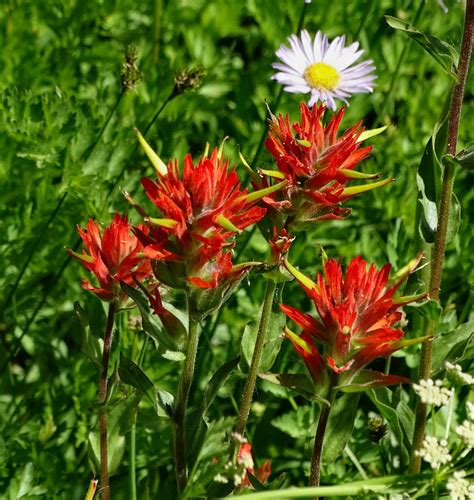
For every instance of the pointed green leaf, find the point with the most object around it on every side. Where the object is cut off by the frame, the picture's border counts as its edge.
(445, 54)
(340, 425)
(167, 346)
(130, 373)
(428, 178)
(450, 346)
(90, 344)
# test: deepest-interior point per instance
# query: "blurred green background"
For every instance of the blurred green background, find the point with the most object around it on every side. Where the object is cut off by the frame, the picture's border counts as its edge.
(60, 67)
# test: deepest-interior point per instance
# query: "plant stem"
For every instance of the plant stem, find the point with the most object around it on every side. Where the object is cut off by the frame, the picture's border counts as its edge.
(256, 357)
(104, 465)
(441, 231)
(320, 431)
(181, 404)
(133, 467)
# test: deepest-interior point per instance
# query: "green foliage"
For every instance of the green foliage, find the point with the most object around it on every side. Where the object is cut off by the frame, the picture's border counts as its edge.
(68, 149)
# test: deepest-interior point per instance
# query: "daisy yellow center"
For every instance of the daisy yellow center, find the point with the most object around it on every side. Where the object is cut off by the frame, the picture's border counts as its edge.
(322, 76)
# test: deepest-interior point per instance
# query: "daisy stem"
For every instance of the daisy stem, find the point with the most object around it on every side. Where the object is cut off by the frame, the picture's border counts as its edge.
(256, 357)
(315, 474)
(182, 396)
(103, 383)
(441, 231)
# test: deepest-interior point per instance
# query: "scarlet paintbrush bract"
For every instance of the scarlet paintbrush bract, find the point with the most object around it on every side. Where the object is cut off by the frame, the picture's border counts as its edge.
(356, 323)
(200, 212)
(317, 162)
(113, 256)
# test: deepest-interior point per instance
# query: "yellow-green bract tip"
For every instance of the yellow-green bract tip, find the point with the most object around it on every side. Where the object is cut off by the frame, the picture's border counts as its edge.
(367, 134)
(227, 224)
(158, 163)
(302, 278)
(298, 340)
(353, 190)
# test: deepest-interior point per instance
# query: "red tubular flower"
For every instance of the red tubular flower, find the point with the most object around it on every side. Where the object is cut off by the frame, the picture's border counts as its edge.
(113, 256)
(357, 314)
(317, 164)
(244, 457)
(201, 210)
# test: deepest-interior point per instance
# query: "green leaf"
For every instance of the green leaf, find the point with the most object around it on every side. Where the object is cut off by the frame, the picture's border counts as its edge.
(450, 346)
(272, 344)
(465, 158)
(297, 424)
(199, 427)
(121, 418)
(430, 309)
(340, 425)
(217, 381)
(131, 374)
(445, 54)
(383, 400)
(90, 344)
(257, 485)
(167, 346)
(428, 178)
(298, 382)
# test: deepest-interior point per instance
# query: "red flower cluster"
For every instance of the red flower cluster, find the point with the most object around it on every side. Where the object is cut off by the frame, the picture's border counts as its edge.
(202, 210)
(357, 313)
(113, 256)
(317, 164)
(244, 457)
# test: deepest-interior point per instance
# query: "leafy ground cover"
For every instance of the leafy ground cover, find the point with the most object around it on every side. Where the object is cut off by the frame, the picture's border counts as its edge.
(76, 79)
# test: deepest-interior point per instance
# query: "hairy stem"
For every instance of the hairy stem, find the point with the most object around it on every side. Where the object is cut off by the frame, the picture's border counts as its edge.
(103, 382)
(437, 259)
(181, 404)
(256, 357)
(315, 473)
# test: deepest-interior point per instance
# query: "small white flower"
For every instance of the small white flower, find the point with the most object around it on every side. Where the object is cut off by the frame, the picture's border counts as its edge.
(235, 436)
(432, 393)
(324, 69)
(470, 410)
(434, 452)
(219, 478)
(459, 487)
(238, 479)
(466, 431)
(457, 376)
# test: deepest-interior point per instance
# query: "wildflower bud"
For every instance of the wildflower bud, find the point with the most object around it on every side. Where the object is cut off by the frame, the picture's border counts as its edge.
(377, 428)
(130, 75)
(187, 79)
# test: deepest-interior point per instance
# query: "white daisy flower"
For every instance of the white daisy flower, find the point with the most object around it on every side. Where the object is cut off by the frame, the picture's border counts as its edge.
(324, 69)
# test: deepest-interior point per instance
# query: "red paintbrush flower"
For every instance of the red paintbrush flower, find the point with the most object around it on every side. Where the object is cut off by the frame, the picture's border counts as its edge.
(115, 255)
(201, 210)
(244, 457)
(317, 165)
(357, 314)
